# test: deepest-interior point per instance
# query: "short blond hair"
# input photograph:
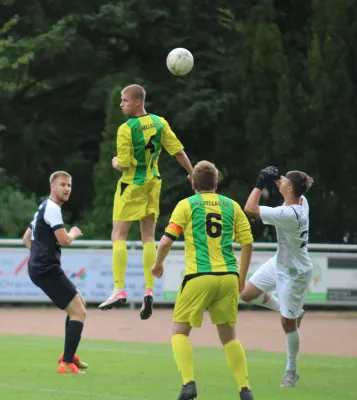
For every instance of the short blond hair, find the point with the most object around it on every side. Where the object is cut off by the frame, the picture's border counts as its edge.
(58, 174)
(205, 176)
(135, 91)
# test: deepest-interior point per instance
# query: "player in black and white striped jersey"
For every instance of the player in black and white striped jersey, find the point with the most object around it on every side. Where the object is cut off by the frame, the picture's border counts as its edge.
(44, 238)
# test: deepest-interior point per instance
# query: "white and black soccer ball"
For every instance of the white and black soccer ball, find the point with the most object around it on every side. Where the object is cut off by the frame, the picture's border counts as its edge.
(179, 61)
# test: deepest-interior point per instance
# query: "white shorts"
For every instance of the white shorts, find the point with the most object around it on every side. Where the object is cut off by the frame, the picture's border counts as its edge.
(291, 287)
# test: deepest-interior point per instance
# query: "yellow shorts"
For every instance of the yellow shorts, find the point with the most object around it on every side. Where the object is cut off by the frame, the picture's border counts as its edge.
(216, 293)
(134, 202)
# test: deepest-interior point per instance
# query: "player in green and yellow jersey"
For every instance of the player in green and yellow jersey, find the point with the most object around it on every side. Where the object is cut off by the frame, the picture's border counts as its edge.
(210, 223)
(139, 143)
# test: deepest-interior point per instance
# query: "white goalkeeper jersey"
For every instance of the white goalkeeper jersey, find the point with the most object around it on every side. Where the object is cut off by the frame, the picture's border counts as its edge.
(292, 231)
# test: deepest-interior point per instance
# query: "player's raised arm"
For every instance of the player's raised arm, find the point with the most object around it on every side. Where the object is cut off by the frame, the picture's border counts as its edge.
(266, 175)
(174, 147)
(65, 238)
(184, 161)
(53, 217)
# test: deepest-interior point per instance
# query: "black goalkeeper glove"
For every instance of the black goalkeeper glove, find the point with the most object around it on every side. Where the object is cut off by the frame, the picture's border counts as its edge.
(267, 175)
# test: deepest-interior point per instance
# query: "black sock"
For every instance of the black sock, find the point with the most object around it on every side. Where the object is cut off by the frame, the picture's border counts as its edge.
(72, 339)
(67, 320)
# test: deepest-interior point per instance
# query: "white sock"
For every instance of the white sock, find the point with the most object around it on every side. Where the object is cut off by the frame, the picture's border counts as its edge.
(258, 301)
(273, 303)
(117, 290)
(293, 346)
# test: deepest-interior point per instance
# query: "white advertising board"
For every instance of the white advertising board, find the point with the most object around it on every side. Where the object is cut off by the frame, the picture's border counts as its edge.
(334, 279)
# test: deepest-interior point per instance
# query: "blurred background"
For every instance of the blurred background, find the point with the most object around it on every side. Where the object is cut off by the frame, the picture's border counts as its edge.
(274, 83)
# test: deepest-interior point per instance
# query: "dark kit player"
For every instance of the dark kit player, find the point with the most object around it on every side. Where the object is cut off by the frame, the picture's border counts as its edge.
(44, 238)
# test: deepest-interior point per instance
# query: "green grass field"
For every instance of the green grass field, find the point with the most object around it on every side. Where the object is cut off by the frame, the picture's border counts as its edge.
(137, 371)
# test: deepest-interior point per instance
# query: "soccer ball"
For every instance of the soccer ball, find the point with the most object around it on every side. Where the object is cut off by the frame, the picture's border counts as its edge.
(179, 61)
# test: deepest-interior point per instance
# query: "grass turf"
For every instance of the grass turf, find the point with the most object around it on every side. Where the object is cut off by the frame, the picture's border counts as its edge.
(139, 371)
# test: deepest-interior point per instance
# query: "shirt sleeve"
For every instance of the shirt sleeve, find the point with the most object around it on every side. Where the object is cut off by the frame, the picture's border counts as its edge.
(178, 221)
(169, 140)
(242, 228)
(124, 146)
(53, 217)
(277, 216)
(305, 204)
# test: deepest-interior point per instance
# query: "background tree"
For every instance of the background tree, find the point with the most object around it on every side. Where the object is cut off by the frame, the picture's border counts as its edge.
(273, 83)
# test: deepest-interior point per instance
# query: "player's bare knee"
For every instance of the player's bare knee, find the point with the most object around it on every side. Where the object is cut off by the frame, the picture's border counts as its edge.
(179, 328)
(147, 228)
(82, 299)
(245, 297)
(76, 309)
(226, 333)
(78, 314)
(120, 230)
(289, 325)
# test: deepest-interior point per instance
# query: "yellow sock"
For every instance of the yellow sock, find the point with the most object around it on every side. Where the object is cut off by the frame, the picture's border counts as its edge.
(119, 263)
(183, 355)
(237, 362)
(149, 256)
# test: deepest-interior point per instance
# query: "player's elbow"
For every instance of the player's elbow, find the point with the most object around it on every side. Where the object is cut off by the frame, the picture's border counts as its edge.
(251, 211)
(64, 240)
(166, 242)
(248, 247)
(180, 154)
(26, 242)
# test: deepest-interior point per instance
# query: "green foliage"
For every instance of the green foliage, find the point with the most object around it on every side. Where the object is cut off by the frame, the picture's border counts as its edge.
(16, 209)
(273, 83)
(105, 176)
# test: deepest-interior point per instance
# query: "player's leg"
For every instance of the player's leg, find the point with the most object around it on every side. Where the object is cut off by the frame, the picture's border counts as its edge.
(223, 312)
(122, 220)
(292, 290)
(60, 289)
(76, 313)
(119, 263)
(147, 228)
(130, 204)
(183, 356)
(193, 298)
(259, 290)
(76, 360)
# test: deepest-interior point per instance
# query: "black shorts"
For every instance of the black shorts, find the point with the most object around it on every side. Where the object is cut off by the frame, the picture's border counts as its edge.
(58, 287)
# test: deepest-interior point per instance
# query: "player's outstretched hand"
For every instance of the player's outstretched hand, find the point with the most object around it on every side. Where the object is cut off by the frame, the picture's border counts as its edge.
(157, 270)
(75, 232)
(267, 175)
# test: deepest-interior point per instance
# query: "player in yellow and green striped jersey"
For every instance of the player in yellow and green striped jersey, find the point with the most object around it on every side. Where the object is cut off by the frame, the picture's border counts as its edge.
(139, 143)
(210, 223)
